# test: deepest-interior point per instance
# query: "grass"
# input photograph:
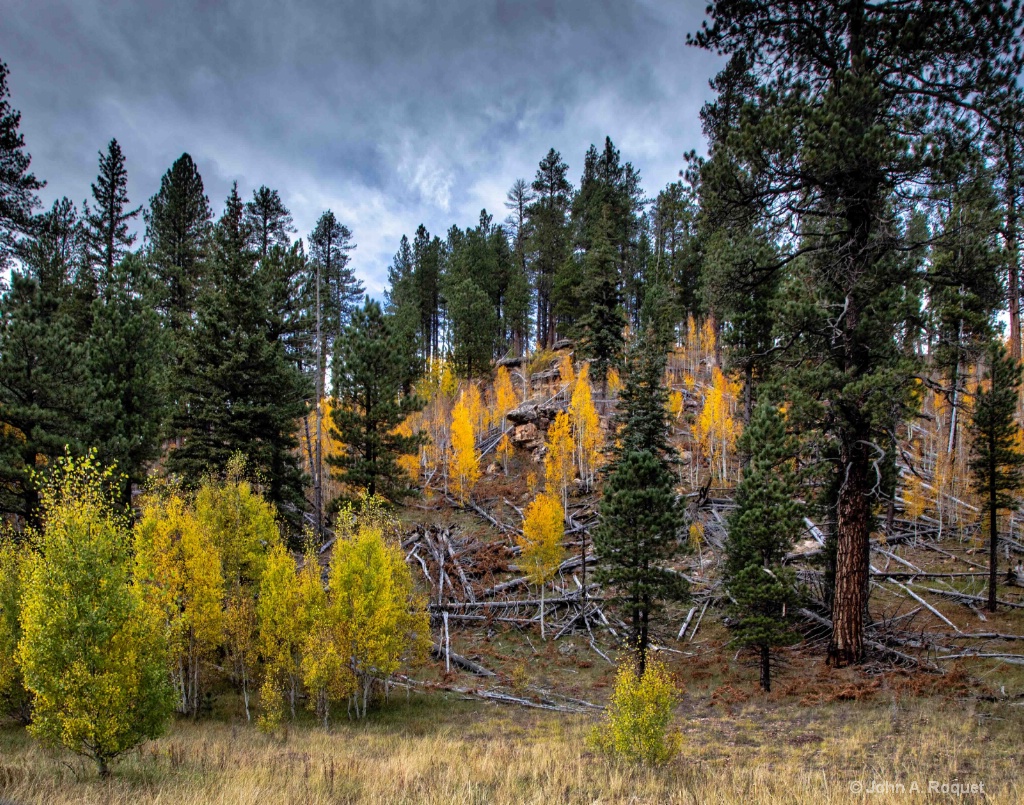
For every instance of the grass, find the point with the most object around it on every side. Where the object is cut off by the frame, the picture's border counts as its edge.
(440, 749)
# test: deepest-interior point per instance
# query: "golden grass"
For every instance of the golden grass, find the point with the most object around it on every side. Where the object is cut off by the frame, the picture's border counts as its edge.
(442, 750)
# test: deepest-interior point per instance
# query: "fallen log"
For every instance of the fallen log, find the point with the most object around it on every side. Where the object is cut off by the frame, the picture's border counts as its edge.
(438, 652)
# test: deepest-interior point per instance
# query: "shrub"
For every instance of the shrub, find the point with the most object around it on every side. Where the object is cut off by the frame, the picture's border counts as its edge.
(637, 727)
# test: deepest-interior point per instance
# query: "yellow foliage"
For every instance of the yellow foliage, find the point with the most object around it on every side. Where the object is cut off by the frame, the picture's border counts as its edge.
(707, 337)
(566, 374)
(375, 619)
(178, 569)
(716, 430)
(586, 427)
(674, 405)
(558, 463)
(696, 534)
(505, 451)
(92, 653)
(283, 625)
(913, 498)
(637, 727)
(15, 564)
(463, 461)
(541, 540)
(614, 381)
(505, 397)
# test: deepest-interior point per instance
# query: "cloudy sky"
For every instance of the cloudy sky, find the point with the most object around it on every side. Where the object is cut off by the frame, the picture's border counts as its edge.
(390, 113)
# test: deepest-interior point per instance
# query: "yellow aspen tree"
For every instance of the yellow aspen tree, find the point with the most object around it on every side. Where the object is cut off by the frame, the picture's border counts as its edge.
(15, 563)
(325, 674)
(716, 428)
(586, 427)
(558, 463)
(463, 460)
(474, 403)
(505, 397)
(93, 655)
(375, 613)
(279, 613)
(541, 543)
(614, 381)
(178, 569)
(566, 373)
(707, 338)
(505, 452)
(244, 526)
(674, 405)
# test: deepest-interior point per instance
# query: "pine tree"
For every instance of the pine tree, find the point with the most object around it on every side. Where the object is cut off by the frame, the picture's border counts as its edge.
(93, 655)
(599, 330)
(126, 375)
(42, 380)
(269, 222)
(17, 185)
(550, 237)
(997, 460)
(841, 136)
(177, 228)
(370, 382)
(762, 531)
(640, 513)
(239, 392)
(106, 225)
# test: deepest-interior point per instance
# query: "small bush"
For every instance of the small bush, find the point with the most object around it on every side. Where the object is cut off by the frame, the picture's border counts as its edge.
(637, 728)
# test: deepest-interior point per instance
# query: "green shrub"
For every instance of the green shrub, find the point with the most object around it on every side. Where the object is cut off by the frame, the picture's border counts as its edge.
(637, 727)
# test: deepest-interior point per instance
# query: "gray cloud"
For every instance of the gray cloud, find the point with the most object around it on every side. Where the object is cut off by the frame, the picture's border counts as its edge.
(390, 113)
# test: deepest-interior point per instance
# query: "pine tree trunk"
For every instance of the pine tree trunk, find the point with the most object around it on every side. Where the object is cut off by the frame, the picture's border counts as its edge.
(853, 530)
(766, 668)
(993, 535)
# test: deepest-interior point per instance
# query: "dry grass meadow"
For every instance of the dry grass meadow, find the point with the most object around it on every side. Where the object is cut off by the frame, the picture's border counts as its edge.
(439, 748)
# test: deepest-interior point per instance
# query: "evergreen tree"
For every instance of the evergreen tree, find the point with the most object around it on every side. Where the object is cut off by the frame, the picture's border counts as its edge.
(997, 460)
(370, 382)
(518, 200)
(106, 225)
(239, 391)
(599, 330)
(640, 513)
(269, 222)
(126, 375)
(762, 530)
(177, 228)
(550, 236)
(828, 149)
(17, 185)
(42, 375)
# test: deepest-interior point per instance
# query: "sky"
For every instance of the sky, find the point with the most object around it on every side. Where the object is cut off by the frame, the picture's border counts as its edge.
(389, 113)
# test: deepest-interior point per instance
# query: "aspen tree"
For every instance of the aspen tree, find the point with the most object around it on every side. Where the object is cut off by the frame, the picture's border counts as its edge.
(463, 460)
(92, 653)
(541, 543)
(15, 563)
(586, 427)
(558, 463)
(375, 618)
(282, 627)
(566, 373)
(505, 451)
(244, 526)
(505, 397)
(178, 569)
